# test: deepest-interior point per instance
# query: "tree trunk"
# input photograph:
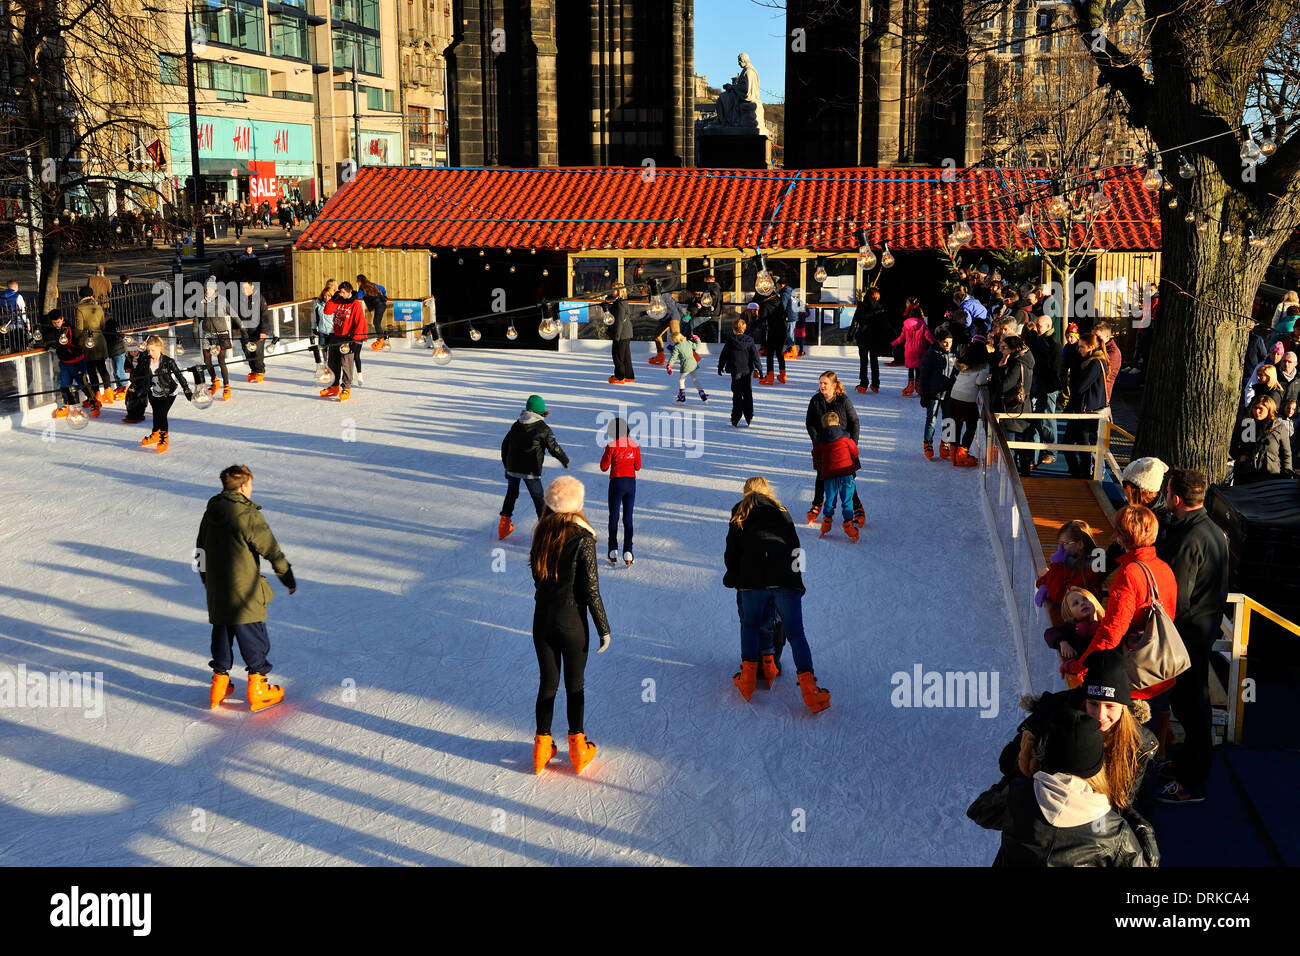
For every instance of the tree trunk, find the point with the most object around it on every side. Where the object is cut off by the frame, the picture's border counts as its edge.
(1193, 382)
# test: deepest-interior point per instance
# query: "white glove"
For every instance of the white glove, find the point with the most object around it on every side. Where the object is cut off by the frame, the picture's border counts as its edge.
(604, 644)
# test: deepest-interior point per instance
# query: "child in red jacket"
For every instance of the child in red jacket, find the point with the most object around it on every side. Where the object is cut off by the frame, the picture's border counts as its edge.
(835, 456)
(622, 459)
(1069, 567)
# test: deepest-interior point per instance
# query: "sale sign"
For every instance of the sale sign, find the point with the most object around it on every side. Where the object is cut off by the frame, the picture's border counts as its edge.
(261, 182)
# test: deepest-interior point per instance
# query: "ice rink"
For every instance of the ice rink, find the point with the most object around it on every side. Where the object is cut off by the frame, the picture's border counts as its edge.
(406, 653)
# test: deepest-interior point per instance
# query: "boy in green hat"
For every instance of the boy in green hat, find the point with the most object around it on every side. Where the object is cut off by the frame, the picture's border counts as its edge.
(522, 452)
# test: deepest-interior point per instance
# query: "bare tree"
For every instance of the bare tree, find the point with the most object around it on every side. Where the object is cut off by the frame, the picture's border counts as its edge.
(84, 95)
(1210, 65)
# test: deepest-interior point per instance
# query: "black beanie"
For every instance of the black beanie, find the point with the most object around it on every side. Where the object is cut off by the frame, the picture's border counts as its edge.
(1107, 678)
(1074, 745)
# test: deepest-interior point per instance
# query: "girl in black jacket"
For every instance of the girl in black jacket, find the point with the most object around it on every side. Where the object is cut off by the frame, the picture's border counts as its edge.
(762, 560)
(831, 397)
(1087, 394)
(1261, 446)
(563, 562)
(159, 376)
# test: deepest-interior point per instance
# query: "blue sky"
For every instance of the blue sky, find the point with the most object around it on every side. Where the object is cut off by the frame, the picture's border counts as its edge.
(725, 28)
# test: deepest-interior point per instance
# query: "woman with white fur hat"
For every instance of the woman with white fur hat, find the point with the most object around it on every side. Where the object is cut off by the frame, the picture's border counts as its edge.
(563, 562)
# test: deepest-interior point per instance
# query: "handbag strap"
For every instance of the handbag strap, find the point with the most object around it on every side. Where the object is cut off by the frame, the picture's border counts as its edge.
(1153, 592)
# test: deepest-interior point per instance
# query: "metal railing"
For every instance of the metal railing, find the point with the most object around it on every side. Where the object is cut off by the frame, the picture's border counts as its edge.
(1235, 641)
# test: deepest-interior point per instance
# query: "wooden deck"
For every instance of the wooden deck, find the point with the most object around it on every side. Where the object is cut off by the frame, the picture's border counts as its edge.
(1054, 501)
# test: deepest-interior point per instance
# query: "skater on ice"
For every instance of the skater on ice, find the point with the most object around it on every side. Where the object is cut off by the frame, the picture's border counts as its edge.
(835, 458)
(622, 459)
(522, 451)
(831, 397)
(233, 538)
(762, 559)
(158, 376)
(563, 562)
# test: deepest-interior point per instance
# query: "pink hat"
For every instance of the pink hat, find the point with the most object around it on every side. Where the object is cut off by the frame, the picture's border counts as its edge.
(565, 495)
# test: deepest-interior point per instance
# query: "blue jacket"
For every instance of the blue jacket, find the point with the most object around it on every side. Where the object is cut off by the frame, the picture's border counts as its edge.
(938, 372)
(321, 323)
(789, 303)
(974, 311)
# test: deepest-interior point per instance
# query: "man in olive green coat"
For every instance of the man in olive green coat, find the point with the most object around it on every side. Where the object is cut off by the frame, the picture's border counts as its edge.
(233, 537)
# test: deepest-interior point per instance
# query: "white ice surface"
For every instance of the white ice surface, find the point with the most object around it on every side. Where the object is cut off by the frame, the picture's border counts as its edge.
(391, 536)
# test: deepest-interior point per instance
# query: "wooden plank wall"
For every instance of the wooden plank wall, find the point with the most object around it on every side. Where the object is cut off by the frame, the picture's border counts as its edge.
(404, 273)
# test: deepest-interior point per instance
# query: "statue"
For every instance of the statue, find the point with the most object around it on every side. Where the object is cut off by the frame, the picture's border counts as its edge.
(739, 105)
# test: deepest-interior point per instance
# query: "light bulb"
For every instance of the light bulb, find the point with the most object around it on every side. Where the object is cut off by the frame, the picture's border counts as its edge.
(1099, 201)
(546, 272)
(252, 347)
(63, 339)
(77, 417)
(706, 300)
(1058, 207)
(1024, 223)
(1173, 202)
(474, 334)
(441, 354)
(819, 273)
(1190, 217)
(180, 349)
(487, 267)
(324, 376)
(1203, 225)
(609, 318)
(867, 258)
(1166, 185)
(511, 334)
(548, 328)
(1152, 180)
(202, 399)
(657, 308)
(886, 258)
(512, 268)
(1185, 169)
(1249, 150)
(763, 283)
(481, 252)
(1269, 146)
(1226, 236)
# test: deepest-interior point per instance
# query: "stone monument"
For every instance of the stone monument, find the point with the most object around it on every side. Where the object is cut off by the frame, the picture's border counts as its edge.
(735, 136)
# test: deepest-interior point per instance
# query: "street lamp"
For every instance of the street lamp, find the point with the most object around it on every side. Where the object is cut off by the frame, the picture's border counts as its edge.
(356, 110)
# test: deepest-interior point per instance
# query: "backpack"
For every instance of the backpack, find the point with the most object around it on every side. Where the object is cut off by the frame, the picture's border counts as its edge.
(1157, 654)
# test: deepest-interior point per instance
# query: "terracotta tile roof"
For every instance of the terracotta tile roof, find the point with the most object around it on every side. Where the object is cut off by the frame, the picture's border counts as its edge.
(624, 208)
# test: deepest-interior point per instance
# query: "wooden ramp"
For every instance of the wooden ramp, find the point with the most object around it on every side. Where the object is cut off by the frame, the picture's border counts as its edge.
(1054, 501)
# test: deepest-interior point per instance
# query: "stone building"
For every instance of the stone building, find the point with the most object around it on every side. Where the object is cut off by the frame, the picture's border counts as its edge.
(546, 83)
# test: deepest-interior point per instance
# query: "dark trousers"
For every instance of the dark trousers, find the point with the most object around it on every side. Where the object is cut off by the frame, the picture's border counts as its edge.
(1079, 432)
(534, 486)
(1190, 700)
(965, 415)
(560, 639)
(742, 398)
(356, 354)
(622, 495)
(97, 372)
(220, 351)
(256, 362)
(73, 373)
(771, 633)
(776, 348)
(622, 354)
(160, 408)
(254, 645)
(868, 362)
(819, 492)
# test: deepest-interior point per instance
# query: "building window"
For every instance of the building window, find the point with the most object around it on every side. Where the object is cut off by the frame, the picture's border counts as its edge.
(230, 78)
(367, 49)
(290, 37)
(417, 123)
(362, 13)
(233, 23)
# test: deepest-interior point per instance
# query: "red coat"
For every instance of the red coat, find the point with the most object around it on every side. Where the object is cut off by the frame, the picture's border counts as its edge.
(622, 458)
(349, 318)
(1060, 577)
(913, 338)
(1126, 607)
(835, 453)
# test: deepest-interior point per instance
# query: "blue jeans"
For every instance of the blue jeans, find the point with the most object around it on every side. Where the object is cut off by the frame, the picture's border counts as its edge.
(534, 486)
(931, 416)
(622, 494)
(789, 332)
(119, 369)
(841, 489)
(753, 612)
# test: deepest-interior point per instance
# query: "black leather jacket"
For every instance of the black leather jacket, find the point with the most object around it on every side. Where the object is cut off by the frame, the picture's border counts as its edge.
(576, 584)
